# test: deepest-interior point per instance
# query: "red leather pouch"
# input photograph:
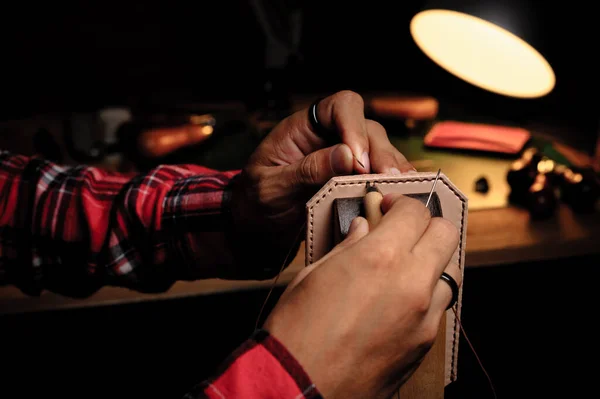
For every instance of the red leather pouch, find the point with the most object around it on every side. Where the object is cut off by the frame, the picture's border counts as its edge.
(477, 137)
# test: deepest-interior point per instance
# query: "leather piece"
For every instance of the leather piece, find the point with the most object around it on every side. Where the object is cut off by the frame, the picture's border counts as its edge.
(477, 137)
(321, 236)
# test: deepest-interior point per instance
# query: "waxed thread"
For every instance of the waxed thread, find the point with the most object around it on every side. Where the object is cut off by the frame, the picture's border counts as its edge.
(285, 261)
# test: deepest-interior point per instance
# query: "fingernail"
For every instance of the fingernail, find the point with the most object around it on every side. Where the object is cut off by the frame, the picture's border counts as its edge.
(395, 171)
(359, 224)
(365, 161)
(341, 159)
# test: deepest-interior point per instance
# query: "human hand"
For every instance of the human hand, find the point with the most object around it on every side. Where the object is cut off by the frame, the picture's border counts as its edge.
(361, 319)
(293, 162)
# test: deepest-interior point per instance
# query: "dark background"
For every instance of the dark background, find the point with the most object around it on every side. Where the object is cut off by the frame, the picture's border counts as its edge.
(83, 56)
(530, 325)
(87, 55)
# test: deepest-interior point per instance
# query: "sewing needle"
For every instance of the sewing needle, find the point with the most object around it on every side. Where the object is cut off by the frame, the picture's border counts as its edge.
(433, 187)
(357, 160)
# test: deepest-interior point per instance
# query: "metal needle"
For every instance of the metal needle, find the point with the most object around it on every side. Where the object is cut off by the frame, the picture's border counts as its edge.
(433, 187)
(357, 160)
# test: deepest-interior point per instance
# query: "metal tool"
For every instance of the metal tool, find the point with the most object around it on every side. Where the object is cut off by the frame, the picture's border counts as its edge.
(433, 187)
(357, 160)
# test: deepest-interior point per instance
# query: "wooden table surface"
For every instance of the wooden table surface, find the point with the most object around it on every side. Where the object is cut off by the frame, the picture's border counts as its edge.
(494, 237)
(496, 234)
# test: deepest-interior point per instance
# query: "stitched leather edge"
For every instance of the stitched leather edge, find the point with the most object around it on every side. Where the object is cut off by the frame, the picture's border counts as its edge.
(460, 244)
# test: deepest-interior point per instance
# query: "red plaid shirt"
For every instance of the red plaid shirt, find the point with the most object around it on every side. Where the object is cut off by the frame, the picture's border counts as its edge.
(72, 230)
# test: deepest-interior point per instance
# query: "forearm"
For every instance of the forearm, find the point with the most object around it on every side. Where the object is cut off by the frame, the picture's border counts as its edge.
(261, 368)
(73, 230)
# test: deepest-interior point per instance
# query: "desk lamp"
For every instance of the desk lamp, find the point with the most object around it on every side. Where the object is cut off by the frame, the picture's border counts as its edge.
(463, 38)
(472, 41)
(482, 44)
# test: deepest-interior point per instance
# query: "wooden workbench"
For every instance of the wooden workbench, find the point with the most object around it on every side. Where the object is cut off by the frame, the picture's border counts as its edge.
(497, 234)
(494, 237)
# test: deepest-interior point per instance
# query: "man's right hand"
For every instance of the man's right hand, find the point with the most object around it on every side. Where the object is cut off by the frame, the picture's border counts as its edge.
(361, 319)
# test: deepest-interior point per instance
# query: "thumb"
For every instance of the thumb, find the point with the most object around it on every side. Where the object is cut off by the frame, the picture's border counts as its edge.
(320, 166)
(357, 230)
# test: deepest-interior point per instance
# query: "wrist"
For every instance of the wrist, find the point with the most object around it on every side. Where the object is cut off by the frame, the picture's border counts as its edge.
(288, 362)
(263, 368)
(254, 237)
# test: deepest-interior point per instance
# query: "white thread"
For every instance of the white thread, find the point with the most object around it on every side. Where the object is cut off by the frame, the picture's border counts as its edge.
(307, 390)
(216, 390)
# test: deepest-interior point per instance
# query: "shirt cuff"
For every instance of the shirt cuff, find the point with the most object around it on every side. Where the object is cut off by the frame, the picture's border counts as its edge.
(261, 368)
(249, 245)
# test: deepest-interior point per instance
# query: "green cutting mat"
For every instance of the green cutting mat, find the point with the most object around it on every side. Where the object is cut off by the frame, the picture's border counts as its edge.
(463, 170)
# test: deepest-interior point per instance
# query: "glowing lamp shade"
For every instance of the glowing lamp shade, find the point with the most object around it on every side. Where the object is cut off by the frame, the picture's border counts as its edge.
(482, 53)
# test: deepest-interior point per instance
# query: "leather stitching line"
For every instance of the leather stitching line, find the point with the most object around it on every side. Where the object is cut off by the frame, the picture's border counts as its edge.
(460, 253)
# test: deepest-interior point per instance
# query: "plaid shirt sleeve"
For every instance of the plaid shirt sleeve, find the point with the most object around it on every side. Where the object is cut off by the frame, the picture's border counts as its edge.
(261, 368)
(72, 230)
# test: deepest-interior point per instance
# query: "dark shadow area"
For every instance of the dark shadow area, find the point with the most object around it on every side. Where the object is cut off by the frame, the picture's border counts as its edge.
(531, 327)
(84, 56)
(530, 324)
(149, 350)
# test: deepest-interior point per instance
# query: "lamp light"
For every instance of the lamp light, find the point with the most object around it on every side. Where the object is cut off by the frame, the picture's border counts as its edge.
(465, 39)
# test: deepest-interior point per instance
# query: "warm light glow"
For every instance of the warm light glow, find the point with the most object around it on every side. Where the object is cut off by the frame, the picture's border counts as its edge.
(545, 166)
(482, 53)
(518, 164)
(202, 119)
(572, 176)
(538, 185)
(529, 153)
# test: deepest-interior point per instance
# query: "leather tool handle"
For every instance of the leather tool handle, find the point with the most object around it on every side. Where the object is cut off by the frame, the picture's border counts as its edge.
(158, 142)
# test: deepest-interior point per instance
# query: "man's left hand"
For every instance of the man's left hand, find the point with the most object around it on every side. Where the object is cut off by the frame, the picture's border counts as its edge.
(293, 162)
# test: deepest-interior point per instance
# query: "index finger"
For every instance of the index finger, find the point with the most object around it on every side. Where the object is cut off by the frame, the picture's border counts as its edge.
(344, 114)
(404, 218)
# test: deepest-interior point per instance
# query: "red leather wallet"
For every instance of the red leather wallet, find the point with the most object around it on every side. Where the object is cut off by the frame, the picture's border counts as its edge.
(477, 137)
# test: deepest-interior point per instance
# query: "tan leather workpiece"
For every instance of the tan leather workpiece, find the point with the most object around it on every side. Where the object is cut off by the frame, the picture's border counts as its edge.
(320, 231)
